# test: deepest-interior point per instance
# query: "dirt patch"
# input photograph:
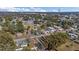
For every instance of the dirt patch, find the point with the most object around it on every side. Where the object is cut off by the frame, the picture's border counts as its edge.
(69, 46)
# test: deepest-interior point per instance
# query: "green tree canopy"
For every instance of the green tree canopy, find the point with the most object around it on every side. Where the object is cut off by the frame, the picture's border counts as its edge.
(8, 18)
(55, 40)
(6, 41)
(19, 26)
(66, 24)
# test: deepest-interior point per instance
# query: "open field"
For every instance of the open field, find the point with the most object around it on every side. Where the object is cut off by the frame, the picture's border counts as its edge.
(69, 46)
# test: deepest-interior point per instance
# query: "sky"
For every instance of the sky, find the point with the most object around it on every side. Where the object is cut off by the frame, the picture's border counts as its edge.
(40, 9)
(39, 5)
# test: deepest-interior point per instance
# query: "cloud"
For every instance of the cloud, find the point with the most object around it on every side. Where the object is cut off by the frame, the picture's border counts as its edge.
(54, 10)
(14, 9)
(22, 9)
(11, 9)
(42, 10)
(37, 9)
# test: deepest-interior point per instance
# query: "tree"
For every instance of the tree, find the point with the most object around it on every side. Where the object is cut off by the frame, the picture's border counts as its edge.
(6, 41)
(9, 18)
(66, 24)
(1, 20)
(6, 25)
(19, 26)
(54, 40)
(38, 16)
(28, 27)
(12, 28)
(51, 20)
(25, 18)
(43, 26)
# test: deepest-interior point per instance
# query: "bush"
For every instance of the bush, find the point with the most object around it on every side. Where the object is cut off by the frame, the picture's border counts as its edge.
(6, 42)
(55, 40)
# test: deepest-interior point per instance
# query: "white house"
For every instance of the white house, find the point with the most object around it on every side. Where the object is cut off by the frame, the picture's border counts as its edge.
(21, 42)
(73, 36)
(49, 30)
